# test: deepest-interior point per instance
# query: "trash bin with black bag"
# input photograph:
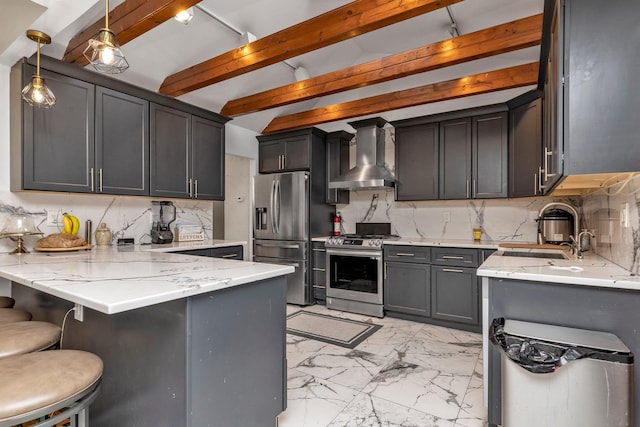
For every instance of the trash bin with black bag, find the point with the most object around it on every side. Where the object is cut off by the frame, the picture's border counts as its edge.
(558, 376)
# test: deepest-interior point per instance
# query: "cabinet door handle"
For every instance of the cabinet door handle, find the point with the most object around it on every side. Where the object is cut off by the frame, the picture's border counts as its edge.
(319, 269)
(475, 189)
(452, 257)
(535, 184)
(540, 174)
(189, 185)
(230, 256)
(404, 254)
(195, 186)
(547, 154)
(91, 179)
(467, 189)
(319, 250)
(284, 161)
(100, 180)
(452, 270)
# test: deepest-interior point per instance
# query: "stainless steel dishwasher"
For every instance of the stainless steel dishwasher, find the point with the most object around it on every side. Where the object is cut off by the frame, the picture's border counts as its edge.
(559, 376)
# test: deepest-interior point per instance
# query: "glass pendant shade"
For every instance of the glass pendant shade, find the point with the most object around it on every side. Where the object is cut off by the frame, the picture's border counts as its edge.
(104, 53)
(37, 94)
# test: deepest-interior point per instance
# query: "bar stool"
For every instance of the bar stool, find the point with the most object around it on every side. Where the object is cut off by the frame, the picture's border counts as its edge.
(27, 337)
(7, 302)
(11, 315)
(58, 382)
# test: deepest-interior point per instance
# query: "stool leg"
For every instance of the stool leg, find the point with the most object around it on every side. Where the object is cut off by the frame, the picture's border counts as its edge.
(83, 418)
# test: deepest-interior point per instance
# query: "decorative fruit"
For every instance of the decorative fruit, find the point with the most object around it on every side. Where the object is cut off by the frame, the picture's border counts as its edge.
(71, 224)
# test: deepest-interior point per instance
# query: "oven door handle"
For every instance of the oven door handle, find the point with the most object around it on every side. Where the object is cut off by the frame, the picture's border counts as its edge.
(362, 254)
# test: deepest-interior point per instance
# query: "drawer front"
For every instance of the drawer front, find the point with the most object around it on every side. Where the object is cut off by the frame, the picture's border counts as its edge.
(459, 257)
(231, 252)
(418, 254)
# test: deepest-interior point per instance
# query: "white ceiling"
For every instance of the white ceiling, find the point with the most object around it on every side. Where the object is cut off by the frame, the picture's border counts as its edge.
(172, 46)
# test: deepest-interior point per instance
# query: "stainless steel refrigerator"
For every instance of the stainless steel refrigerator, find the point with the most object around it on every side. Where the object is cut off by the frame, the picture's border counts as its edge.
(288, 210)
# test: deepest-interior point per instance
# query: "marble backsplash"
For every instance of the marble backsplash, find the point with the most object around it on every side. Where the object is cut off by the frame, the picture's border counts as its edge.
(614, 241)
(500, 219)
(125, 216)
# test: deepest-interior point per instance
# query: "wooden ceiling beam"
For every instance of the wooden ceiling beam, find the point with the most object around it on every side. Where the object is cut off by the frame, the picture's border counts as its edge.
(496, 40)
(350, 20)
(127, 21)
(506, 78)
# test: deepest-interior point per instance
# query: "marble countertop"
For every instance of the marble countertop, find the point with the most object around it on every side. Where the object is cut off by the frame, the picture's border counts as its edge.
(427, 241)
(114, 279)
(198, 244)
(593, 270)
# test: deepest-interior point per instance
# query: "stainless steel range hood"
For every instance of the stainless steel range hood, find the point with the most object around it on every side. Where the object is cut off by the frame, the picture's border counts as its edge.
(369, 172)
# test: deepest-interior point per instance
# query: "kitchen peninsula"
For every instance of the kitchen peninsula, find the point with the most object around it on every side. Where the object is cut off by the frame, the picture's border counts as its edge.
(591, 293)
(186, 340)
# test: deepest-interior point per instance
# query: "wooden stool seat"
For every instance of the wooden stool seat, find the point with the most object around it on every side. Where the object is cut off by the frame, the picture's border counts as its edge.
(27, 337)
(36, 384)
(11, 315)
(7, 302)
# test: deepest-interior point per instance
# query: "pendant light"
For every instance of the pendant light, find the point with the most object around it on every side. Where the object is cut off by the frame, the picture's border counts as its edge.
(103, 51)
(36, 93)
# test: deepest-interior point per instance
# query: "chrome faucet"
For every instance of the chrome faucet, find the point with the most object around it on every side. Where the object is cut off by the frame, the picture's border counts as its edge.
(582, 248)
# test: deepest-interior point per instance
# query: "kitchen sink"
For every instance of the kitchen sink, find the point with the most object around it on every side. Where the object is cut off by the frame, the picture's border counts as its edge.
(547, 255)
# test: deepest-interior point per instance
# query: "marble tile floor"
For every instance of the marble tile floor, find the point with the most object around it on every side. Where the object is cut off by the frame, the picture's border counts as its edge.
(407, 374)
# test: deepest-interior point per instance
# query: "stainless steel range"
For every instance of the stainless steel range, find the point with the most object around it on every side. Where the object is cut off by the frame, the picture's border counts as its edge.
(354, 267)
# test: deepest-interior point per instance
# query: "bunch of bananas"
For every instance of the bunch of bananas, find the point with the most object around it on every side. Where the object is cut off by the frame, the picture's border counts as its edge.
(71, 224)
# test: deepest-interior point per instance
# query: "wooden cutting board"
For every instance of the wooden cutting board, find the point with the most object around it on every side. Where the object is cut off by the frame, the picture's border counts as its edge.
(530, 246)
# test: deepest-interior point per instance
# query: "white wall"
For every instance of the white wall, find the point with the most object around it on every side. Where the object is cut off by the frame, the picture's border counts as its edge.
(4, 127)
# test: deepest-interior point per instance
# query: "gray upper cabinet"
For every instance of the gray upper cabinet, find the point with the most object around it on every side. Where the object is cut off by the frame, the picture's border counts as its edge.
(525, 145)
(122, 143)
(417, 162)
(286, 154)
(489, 154)
(187, 155)
(58, 143)
(170, 152)
(106, 136)
(208, 159)
(337, 164)
(552, 137)
(591, 95)
(455, 159)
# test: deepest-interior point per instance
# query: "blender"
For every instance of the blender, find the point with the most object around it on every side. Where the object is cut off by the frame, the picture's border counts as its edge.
(164, 213)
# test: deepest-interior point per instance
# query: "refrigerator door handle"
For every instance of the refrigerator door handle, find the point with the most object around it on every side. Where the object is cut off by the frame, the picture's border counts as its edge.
(278, 204)
(271, 206)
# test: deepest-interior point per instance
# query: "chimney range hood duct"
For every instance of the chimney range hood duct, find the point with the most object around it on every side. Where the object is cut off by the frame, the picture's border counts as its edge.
(369, 172)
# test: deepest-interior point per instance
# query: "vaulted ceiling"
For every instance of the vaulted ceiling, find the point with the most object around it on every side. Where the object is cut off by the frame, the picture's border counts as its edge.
(393, 58)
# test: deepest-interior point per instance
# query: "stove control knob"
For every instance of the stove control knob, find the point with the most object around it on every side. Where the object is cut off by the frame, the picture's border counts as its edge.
(376, 242)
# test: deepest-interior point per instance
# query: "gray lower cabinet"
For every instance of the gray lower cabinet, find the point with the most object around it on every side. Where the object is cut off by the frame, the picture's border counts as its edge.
(122, 144)
(227, 252)
(187, 155)
(58, 143)
(407, 280)
(417, 162)
(433, 285)
(454, 294)
(407, 288)
(319, 271)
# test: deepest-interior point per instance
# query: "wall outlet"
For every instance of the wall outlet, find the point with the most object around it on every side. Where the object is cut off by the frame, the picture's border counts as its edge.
(52, 218)
(446, 216)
